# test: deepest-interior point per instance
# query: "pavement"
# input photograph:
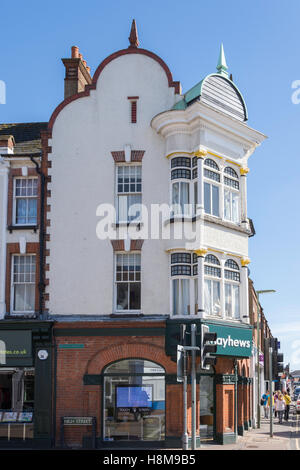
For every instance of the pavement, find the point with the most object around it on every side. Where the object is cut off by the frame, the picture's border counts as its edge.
(286, 436)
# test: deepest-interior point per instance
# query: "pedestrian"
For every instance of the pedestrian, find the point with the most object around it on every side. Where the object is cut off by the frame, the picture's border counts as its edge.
(275, 400)
(280, 406)
(265, 404)
(288, 401)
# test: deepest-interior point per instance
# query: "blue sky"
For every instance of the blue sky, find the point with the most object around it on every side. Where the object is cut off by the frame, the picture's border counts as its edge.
(261, 42)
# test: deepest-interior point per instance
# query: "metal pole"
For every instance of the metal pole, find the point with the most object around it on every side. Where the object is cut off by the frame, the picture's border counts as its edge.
(271, 391)
(193, 384)
(258, 367)
(185, 438)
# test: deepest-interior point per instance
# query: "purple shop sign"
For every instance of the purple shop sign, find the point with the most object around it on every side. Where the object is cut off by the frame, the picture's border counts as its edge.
(261, 359)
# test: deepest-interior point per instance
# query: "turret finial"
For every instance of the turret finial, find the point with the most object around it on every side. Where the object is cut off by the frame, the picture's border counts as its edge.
(222, 66)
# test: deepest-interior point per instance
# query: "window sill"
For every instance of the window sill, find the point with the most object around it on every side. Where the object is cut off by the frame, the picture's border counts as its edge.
(127, 313)
(11, 228)
(21, 316)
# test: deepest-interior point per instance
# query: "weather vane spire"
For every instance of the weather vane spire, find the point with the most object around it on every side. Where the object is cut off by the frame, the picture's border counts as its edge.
(133, 38)
(222, 66)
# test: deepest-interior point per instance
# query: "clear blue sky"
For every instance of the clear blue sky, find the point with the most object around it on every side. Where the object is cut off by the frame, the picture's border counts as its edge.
(261, 41)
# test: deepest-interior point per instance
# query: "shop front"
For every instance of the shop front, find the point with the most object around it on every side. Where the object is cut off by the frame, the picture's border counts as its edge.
(25, 384)
(122, 376)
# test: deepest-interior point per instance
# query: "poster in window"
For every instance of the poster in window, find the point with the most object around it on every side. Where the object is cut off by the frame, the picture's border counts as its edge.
(10, 417)
(25, 417)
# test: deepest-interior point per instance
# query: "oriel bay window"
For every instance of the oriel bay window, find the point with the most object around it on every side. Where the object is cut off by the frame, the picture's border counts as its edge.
(212, 285)
(129, 193)
(232, 289)
(25, 201)
(128, 282)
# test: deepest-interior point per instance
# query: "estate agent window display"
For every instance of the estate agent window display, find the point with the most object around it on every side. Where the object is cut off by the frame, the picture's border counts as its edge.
(134, 401)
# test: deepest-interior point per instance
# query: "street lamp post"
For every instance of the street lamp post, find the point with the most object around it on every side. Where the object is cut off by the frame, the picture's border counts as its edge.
(258, 292)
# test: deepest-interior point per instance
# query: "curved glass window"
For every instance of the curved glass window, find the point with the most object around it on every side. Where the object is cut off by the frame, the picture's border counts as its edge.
(211, 188)
(212, 285)
(181, 162)
(232, 289)
(231, 195)
(134, 401)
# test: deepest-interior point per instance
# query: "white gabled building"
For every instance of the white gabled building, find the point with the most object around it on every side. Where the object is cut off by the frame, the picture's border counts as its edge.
(128, 137)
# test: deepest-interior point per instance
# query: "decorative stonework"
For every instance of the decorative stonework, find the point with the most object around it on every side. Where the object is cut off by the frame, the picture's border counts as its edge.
(245, 262)
(201, 252)
(244, 171)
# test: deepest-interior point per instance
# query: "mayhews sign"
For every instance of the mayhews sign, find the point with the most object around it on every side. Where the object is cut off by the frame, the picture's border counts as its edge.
(15, 348)
(232, 341)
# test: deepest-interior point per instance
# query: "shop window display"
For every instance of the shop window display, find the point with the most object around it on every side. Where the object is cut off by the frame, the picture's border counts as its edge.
(134, 401)
(16, 403)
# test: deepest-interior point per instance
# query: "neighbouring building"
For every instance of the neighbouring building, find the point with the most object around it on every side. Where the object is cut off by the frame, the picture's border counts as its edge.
(111, 294)
(25, 334)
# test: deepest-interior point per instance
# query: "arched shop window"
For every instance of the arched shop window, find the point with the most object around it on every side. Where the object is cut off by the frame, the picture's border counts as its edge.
(134, 401)
(212, 276)
(232, 289)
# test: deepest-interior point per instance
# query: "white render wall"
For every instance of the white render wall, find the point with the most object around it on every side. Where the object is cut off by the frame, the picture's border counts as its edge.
(84, 134)
(83, 176)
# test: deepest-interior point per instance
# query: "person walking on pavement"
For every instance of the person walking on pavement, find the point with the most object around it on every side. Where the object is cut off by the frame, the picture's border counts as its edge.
(288, 401)
(280, 405)
(265, 404)
(275, 400)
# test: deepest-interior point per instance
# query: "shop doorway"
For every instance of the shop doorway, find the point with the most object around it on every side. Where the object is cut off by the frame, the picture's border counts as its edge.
(207, 406)
(134, 401)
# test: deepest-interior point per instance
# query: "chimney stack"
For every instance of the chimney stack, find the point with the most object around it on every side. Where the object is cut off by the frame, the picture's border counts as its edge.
(77, 73)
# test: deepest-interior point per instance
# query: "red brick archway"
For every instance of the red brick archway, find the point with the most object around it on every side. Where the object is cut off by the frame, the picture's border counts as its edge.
(121, 351)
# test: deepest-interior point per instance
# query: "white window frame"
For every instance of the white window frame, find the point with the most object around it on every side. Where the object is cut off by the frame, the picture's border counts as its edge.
(188, 209)
(13, 283)
(211, 183)
(125, 311)
(15, 198)
(232, 191)
(127, 194)
(192, 279)
(232, 283)
(211, 278)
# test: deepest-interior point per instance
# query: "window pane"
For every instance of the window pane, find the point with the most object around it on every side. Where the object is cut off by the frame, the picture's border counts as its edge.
(19, 297)
(215, 200)
(227, 205)
(207, 295)
(122, 296)
(135, 296)
(29, 297)
(184, 198)
(175, 288)
(207, 203)
(21, 207)
(216, 303)
(236, 301)
(185, 296)
(175, 197)
(122, 209)
(235, 207)
(228, 300)
(134, 207)
(32, 211)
